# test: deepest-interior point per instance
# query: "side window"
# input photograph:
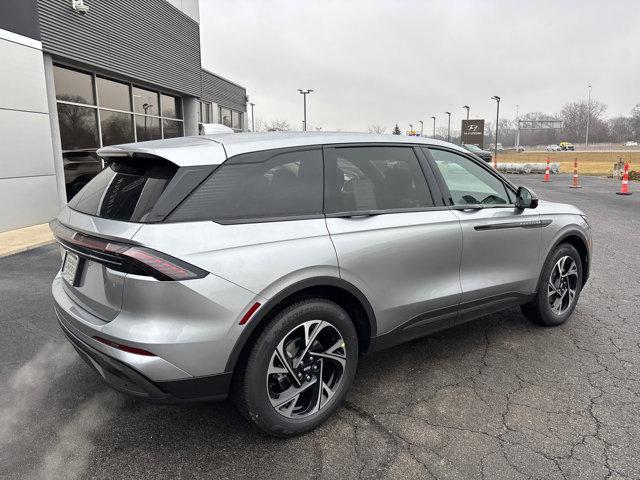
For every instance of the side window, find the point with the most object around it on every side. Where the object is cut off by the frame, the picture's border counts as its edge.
(258, 185)
(374, 178)
(469, 183)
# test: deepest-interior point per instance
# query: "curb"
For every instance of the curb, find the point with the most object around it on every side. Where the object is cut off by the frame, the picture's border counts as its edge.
(23, 239)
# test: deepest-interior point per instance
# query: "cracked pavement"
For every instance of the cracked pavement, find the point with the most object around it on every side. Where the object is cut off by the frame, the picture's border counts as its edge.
(498, 398)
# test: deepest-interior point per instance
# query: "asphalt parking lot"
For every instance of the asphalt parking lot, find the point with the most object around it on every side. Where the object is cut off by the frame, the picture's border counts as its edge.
(498, 398)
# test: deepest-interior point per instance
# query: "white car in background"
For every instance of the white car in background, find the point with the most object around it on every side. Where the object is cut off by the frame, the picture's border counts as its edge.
(553, 148)
(631, 144)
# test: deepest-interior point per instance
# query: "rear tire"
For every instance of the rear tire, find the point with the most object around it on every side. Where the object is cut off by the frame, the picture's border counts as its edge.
(277, 368)
(558, 289)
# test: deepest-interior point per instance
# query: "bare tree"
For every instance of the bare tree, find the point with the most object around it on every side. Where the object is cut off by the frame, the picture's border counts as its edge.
(276, 125)
(621, 129)
(375, 128)
(574, 116)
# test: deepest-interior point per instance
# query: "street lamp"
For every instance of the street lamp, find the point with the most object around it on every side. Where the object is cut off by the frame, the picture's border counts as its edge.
(421, 127)
(517, 126)
(304, 94)
(586, 138)
(253, 125)
(467, 107)
(449, 127)
(495, 146)
(434, 127)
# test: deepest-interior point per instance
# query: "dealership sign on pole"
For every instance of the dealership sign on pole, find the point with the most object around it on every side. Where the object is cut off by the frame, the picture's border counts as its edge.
(473, 132)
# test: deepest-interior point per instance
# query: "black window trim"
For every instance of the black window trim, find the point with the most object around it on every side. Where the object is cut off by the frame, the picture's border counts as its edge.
(445, 189)
(435, 182)
(432, 186)
(240, 159)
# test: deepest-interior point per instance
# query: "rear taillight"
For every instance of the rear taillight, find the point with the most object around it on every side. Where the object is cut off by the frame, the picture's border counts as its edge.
(126, 258)
(166, 266)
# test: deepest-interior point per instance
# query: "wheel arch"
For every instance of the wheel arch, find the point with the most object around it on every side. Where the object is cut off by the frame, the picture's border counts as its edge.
(579, 241)
(336, 289)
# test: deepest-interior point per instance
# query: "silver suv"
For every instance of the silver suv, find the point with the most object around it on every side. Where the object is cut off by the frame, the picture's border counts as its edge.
(263, 265)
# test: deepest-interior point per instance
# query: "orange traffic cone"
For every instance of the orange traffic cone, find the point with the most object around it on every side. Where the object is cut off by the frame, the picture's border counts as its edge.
(575, 183)
(546, 172)
(625, 181)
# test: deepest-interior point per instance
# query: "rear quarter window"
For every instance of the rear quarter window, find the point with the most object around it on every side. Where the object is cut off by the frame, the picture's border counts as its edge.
(260, 185)
(125, 191)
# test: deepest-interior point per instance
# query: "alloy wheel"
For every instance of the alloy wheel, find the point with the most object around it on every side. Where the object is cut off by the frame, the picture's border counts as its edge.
(562, 286)
(306, 369)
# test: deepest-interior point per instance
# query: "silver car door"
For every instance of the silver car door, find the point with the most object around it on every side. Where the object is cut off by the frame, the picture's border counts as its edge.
(393, 241)
(501, 244)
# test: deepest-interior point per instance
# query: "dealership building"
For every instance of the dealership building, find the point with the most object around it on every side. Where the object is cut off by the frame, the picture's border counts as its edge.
(79, 75)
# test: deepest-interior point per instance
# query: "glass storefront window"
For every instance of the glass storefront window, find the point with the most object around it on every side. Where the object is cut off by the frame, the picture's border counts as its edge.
(171, 106)
(236, 120)
(147, 128)
(114, 109)
(145, 101)
(171, 128)
(73, 86)
(78, 127)
(116, 127)
(113, 94)
(204, 112)
(225, 116)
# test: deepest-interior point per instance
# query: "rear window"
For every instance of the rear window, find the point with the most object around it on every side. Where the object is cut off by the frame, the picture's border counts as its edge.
(256, 186)
(125, 191)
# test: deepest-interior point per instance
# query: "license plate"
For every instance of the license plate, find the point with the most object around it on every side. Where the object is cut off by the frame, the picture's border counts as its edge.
(70, 268)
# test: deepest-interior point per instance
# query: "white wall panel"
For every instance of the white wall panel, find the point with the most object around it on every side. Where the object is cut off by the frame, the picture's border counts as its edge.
(22, 78)
(25, 144)
(27, 201)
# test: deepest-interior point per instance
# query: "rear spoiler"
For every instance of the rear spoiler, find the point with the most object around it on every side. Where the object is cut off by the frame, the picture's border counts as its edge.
(181, 151)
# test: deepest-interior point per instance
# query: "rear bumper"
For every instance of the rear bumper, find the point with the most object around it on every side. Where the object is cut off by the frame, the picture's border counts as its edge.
(127, 380)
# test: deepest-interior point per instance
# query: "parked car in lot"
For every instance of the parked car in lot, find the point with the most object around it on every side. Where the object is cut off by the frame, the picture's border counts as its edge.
(566, 146)
(492, 146)
(631, 144)
(553, 148)
(264, 265)
(519, 148)
(483, 154)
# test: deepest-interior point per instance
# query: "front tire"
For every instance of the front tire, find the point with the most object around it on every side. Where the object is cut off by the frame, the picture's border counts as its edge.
(299, 368)
(559, 288)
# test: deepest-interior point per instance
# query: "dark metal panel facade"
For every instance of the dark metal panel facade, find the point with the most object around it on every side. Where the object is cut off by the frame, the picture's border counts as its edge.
(21, 17)
(150, 41)
(223, 92)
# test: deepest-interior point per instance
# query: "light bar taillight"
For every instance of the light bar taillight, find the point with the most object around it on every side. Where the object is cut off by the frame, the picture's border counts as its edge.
(131, 258)
(160, 264)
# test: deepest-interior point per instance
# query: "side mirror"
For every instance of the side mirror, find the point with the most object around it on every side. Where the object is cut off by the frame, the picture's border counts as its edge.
(525, 198)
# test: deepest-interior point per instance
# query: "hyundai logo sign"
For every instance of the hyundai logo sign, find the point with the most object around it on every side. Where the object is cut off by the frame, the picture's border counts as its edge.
(473, 132)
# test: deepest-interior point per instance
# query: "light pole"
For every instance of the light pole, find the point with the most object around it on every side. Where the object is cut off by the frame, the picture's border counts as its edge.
(421, 127)
(586, 138)
(517, 126)
(304, 94)
(434, 127)
(467, 107)
(449, 127)
(253, 125)
(495, 146)
(146, 107)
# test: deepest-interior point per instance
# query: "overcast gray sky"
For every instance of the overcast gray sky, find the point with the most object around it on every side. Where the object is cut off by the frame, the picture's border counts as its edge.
(382, 62)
